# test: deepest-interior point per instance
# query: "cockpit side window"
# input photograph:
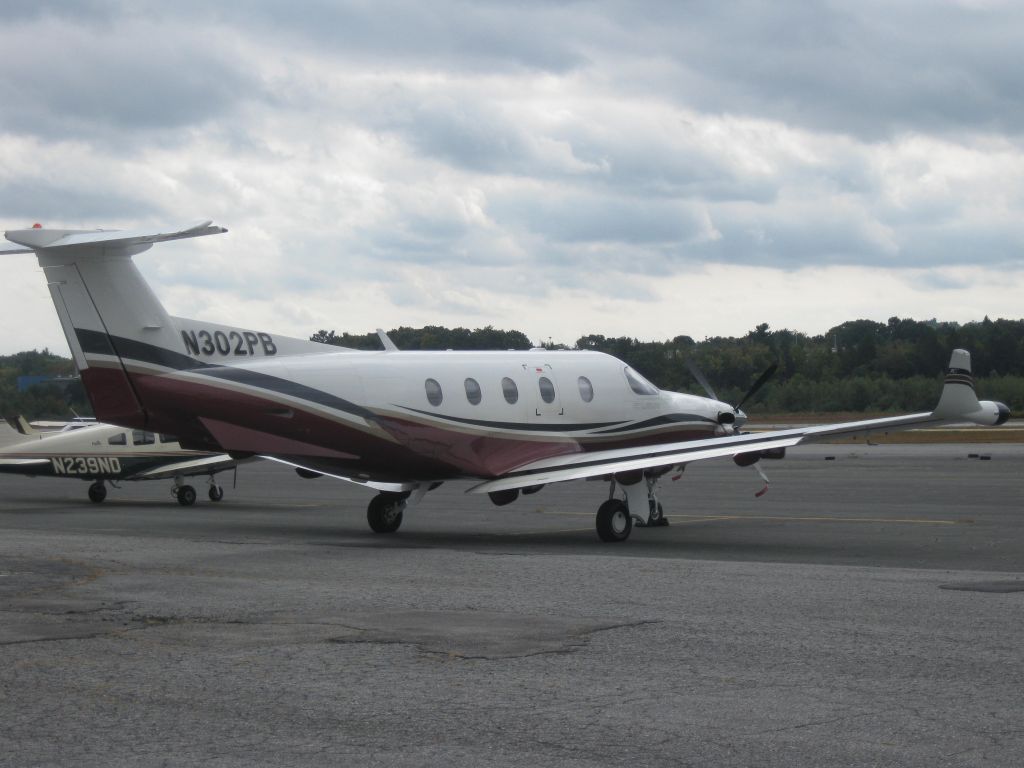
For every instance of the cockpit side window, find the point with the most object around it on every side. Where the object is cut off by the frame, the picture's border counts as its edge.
(142, 438)
(638, 383)
(119, 439)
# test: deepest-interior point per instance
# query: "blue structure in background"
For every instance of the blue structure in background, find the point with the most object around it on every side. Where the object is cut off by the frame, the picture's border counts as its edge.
(24, 382)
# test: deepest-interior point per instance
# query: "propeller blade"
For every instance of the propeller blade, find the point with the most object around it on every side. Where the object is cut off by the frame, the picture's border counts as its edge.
(761, 381)
(699, 376)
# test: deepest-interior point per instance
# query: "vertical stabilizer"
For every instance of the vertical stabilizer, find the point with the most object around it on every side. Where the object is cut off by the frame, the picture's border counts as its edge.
(106, 308)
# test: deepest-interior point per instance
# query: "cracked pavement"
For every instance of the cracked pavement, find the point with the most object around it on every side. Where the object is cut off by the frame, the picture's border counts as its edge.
(269, 631)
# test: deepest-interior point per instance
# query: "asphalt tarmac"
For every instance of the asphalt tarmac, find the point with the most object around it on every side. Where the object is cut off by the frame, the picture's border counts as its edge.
(866, 611)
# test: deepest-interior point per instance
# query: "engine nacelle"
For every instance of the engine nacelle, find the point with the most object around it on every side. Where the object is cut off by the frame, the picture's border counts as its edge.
(989, 414)
(501, 498)
(752, 457)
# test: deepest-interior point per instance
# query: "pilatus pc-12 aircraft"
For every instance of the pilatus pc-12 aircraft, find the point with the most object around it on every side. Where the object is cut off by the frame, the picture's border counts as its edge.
(402, 422)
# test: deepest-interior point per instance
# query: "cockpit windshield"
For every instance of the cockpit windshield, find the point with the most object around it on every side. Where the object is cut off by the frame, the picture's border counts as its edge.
(638, 383)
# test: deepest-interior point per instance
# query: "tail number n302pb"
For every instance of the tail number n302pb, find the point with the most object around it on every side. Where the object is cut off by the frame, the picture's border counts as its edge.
(86, 465)
(228, 343)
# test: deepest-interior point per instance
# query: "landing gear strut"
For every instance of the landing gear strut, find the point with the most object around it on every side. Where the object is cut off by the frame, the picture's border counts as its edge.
(97, 492)
(384, 514)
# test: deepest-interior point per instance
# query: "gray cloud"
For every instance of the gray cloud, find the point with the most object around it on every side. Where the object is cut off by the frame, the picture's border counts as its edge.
(105, 84)
(522, 149)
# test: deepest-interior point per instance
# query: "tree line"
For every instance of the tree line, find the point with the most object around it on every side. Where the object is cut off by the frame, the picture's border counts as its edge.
(860, 365)
(40, 401)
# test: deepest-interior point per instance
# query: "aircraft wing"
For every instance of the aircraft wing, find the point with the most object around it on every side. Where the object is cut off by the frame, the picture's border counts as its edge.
(23, 462)
(201, 466)
(578, 466)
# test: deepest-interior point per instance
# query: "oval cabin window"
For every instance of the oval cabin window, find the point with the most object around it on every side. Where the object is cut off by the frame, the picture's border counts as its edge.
(434, 394)
(586, 389)
(510, 391)
(547, 389)
(473, 391)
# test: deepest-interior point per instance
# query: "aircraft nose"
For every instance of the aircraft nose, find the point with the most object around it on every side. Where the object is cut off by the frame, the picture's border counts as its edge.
(741, 418)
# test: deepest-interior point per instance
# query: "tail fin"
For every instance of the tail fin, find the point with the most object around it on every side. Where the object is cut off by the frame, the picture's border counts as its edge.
(106, 308)
(18, 423)
(119, 332)
(959, 401)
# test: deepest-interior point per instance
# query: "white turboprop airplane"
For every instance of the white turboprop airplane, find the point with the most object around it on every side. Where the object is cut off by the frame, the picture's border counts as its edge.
(105, 453)
(402, 422)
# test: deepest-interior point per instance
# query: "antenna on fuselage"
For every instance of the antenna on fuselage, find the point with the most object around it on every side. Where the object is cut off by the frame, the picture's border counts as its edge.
(389, 345)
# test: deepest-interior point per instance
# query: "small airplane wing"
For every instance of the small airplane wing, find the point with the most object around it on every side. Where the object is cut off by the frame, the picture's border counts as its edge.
(201, 466)
(23, 462)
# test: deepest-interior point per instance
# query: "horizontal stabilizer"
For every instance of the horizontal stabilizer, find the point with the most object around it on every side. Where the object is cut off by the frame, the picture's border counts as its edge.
(100, 240)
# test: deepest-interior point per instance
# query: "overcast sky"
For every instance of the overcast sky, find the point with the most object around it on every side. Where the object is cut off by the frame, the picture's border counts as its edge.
(628, 168)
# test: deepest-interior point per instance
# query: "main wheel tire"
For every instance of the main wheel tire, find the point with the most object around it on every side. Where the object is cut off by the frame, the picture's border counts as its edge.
(97, 492)
(385, 513)
(613, 521)
(216, 493)
(186, 495)
(657, 515)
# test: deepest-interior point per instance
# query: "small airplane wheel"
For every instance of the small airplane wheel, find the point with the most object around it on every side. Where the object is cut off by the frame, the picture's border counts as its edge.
(186, 495)
(658, 515)
(97, 492)
(216, 493)
(613, 521)
(385, 512)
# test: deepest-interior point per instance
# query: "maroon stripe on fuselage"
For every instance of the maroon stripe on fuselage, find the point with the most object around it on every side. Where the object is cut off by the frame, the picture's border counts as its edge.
(112, 397)
(418, 451)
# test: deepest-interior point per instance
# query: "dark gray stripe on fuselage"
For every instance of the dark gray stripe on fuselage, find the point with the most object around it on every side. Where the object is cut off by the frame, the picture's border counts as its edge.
(671, 418)
(510, 425)
(96, 342)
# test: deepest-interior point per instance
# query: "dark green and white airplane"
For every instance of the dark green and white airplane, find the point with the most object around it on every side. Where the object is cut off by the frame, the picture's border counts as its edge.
(105, 453)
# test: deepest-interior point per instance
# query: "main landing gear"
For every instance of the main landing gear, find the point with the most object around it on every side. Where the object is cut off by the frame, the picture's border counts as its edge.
(97, 492)
(385, 511)
(186, 494)
(616, 517)
(387, 508)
